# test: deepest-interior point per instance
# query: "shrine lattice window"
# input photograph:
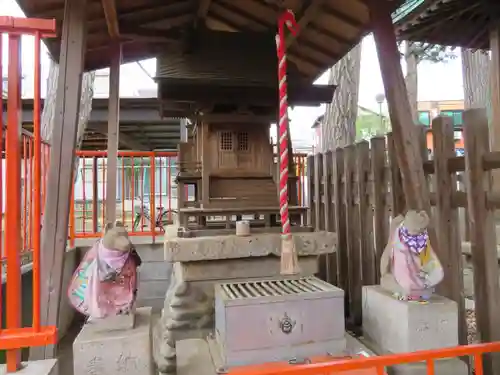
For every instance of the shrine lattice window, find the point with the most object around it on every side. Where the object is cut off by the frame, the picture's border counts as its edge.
(226, 141)
(243, 141)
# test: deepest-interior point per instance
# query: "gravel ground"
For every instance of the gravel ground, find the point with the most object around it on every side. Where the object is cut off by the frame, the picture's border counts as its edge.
(471, 326)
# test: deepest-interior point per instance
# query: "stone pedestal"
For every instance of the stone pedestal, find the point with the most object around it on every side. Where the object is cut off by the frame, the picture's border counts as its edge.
(44, 367)
(395, 326)
(127, 351)
(201, 262)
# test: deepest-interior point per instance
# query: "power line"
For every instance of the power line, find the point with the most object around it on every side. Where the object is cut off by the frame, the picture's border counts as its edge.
(145, 71)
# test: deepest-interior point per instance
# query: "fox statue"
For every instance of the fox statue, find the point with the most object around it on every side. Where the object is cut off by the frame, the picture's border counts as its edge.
(409, 268)
(105, 282)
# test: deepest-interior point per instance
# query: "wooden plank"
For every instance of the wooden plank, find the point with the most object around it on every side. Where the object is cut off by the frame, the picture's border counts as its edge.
(398, 202)
(365, 214)
(483, 237)
(447, 220)
(311, 214)
(340, 222)
(379, 199)
(113, 133)
(60, 174)
(353, 250)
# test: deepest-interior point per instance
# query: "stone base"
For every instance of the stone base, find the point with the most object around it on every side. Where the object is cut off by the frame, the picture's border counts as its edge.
(196, 357)
(189, 303)
(115, 352)
(43, 367)
(224, 358)
(255, 245)
(401, 326)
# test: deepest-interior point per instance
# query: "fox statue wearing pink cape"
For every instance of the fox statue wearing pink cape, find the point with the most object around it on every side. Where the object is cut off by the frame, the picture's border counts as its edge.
(409, 268)
(105, 282)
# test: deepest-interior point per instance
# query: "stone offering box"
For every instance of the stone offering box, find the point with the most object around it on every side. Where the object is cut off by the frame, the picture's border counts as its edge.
(276, 320)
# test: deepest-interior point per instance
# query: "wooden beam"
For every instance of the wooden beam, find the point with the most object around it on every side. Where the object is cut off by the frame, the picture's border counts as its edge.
(124, 139)
(404, 132)
(311, 11)
(202, 11)
(61, 168)
(111, 15)
(113, 133)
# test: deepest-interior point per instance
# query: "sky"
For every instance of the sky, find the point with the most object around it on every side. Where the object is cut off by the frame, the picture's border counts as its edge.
(441, 81)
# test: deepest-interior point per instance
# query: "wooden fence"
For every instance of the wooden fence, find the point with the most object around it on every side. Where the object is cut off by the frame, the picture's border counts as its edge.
(355, 191)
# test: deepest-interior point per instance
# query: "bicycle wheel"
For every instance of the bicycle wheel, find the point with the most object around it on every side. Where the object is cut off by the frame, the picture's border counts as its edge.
(166, 218)
(137, 220)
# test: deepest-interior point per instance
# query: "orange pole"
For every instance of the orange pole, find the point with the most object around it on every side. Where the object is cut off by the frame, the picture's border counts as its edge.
(37, 189)
(103, 191)
(377, 362)
(72, 218)
(169, 188)
(160, 159)
(136, 154)
(132, 193)
(31, 154)
(124, 217)
(13, 209)
(142, 195)
(84, 194)
(1, 177)
(24, 186)
(152, 203)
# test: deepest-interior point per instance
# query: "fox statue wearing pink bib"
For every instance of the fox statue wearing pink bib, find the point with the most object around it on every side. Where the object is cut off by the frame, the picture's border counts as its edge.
(105, 282)
(409, 268)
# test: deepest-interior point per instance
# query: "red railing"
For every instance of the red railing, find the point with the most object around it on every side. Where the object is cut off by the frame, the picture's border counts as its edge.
(145, 200)
(22, 157)
(377, 363)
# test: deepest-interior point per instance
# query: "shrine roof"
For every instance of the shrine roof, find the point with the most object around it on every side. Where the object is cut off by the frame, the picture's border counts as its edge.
(329, 28)
(457, 23)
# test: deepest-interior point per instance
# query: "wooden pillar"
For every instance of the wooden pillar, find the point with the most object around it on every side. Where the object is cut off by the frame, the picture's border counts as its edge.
(408, 151)
(113, 133)
(60, 174)
(494, 121)
(482, 234)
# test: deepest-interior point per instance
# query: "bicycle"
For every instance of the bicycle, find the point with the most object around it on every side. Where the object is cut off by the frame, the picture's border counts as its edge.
(163, 218)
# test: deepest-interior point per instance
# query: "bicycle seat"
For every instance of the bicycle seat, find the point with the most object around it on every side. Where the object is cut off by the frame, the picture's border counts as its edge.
(159, 208)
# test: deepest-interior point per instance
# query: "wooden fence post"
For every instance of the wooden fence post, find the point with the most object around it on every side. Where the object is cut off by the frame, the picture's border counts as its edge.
(353, 242)
(318, 169)
(449, 244)
(365, 214)
(331, 259)
(379, 199)
(398, 203)
(311, 215)
(340, 223)
(482, 234)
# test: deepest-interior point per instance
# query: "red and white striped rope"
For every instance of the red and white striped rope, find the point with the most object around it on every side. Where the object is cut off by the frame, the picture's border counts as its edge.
(287, 19)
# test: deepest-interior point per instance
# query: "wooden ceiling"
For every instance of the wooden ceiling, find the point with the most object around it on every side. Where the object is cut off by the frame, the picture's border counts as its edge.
(328, 28)
(457, 23)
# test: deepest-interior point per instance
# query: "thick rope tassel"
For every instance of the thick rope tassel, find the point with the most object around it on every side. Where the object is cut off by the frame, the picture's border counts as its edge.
(289, 257)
